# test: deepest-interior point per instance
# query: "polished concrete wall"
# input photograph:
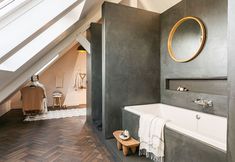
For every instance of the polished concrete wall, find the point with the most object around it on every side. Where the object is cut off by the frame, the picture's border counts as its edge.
(94, 72)
(131, 67)
(88, 74)
(130, 122)
(231, 81)
(210, 63)
(182, 148)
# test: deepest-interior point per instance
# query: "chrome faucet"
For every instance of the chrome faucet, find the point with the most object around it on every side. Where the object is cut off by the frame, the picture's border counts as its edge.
(203, 103)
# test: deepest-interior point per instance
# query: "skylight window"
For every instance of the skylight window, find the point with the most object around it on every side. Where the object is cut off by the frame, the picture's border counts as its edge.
(40, 42)
(7, 6)
(5, 3)
(30, 24)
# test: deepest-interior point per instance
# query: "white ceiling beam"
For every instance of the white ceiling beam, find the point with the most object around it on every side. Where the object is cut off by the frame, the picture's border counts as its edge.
(131, 3)
(134, 3)
(94, 16)
(84, 42)
(158, 6)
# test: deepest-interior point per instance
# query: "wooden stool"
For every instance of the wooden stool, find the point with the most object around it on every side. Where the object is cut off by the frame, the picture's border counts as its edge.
(57, 101)
(125, 145)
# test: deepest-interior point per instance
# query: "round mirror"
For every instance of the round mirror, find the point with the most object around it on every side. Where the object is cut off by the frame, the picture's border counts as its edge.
(186, 39)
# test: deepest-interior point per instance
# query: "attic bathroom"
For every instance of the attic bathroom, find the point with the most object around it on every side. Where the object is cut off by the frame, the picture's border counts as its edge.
(172, 65)
(159, 85)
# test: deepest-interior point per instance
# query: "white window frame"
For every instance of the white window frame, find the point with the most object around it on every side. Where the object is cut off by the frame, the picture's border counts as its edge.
(30, 50)
(8, 6)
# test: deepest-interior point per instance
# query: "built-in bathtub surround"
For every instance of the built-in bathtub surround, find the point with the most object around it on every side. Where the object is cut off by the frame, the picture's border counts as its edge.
(130, 61)
(207, 69)
(195, 124)
(189, 135)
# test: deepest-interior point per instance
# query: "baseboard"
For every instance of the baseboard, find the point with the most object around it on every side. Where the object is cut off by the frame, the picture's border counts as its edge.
(4, 108)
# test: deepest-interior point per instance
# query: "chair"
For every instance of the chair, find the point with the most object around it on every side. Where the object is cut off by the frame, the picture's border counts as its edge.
(32, 99)
(57, 99)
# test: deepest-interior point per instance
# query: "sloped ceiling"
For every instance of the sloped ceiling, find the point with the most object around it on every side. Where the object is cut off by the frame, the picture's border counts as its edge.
(12, 80)
(158, 6)
(89, 5)
(7, 79)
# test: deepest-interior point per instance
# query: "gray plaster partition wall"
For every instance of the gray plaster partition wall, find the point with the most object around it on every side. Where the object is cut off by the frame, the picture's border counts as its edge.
(94, 73)
(210, 63)
(131, 61)
(231, 81)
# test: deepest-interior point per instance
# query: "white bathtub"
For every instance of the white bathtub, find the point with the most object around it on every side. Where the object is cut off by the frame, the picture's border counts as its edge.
(209, 129)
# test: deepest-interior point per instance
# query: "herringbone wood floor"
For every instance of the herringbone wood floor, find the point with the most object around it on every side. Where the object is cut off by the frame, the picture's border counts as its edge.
(60, 140)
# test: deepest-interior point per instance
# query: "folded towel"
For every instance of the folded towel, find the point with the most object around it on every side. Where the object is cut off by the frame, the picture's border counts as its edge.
(151, 134)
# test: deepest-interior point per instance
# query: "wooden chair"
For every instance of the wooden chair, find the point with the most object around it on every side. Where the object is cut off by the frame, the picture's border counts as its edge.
(32, 99)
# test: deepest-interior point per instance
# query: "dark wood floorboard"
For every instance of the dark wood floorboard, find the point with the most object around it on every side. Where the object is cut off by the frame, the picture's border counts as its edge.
(59, 140)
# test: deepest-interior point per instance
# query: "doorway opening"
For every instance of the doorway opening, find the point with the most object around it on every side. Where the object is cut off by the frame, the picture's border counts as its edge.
(65, 86)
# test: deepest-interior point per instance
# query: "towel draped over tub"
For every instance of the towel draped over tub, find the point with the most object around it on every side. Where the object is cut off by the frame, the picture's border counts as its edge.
(151, 134)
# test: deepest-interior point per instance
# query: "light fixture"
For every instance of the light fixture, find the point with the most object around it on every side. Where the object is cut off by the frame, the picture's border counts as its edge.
(81, 50)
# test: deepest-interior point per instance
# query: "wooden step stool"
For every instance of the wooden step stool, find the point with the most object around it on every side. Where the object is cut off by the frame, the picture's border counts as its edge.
(125, 145)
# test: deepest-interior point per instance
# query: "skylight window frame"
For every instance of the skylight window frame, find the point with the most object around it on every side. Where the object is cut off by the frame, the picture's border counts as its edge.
(67, 21)
(5, 3)
(11, 6)
(14, 44)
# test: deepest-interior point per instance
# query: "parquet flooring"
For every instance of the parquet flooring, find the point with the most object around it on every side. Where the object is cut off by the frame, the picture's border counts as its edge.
(59, 140)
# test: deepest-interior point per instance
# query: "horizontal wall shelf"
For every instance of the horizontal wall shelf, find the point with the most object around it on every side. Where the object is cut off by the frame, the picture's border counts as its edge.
(216, 86)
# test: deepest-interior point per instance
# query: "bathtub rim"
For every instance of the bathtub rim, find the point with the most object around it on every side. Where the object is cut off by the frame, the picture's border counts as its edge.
(203, 139)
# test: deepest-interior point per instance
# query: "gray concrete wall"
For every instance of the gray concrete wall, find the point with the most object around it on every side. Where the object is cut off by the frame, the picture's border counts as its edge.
(89, 77)
(130, 122)
(131, 67)
(231, 81)
(94, 63)
(182, 148)
(210, 63)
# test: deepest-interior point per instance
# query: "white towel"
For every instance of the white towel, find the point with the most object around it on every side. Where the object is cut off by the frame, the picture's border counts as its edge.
(151, 134)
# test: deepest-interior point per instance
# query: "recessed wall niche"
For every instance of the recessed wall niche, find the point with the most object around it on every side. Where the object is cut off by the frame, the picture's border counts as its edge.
(215, 86)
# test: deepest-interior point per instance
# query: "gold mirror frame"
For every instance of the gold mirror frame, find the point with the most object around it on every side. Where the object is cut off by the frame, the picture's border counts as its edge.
(171, 35)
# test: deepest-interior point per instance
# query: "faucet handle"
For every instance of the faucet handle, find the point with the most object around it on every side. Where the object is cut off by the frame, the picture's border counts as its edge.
(209, 103)
(203, 103)
(198, 99)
